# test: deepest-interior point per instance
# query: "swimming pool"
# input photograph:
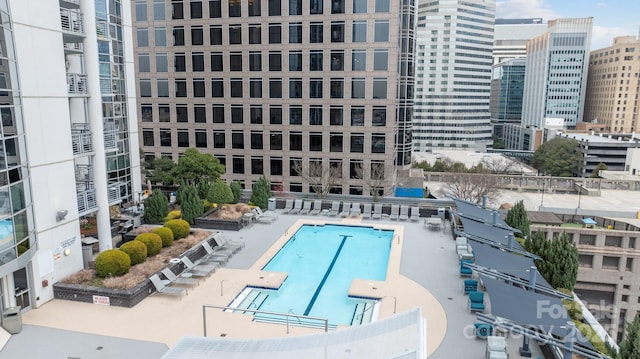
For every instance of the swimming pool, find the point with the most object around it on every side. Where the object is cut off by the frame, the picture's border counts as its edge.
(321, 261)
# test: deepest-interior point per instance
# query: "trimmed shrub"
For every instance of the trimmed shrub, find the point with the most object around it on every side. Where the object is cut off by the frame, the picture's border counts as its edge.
(236, 189)
(112, 263)
(191, 204)
(136, 250)
(156, 207)
(165, 234)
(173, 215)
(179, 227)
(261, 191)
(221, 193)
(152, 241)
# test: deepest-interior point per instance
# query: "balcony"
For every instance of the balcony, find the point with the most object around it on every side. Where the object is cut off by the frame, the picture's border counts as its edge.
(73, 48)
(87, 202)
(84, 174)
(72, 25)
(113, 192)
(77, 84)
(110, 143)
(81, 139)
(70, 4)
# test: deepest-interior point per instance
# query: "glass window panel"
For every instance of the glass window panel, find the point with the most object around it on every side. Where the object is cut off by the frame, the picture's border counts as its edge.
(380, 59)
(160, 34)
(381, 33)
(196, 9)
(295, 33)
(143, 63)
(379, 88)
(357, 88)
(295, 61)
(359, 31)
(162, 64)
(215, 9)
(359, 6)
(382, 5)
(358, 60)
(142, 35)
(295, 7)
(275, 8)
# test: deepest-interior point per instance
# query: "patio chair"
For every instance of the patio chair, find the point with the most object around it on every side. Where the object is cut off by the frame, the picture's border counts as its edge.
(496, 347)
(297, 206)
(224, 244)
(483, 330)
(377, 211)
(346, 208)
(415, 214)
(335, 207)
(395, 212)
(179, 280)
(475, 302)
(470, 285)
(264, 217)
(162, 286)
(306, 207)
(213, 256)
(317, 207)
(404, 213)
(355, 210)
(198, 270)
(366, 211)
(288, 206)
(464, 270)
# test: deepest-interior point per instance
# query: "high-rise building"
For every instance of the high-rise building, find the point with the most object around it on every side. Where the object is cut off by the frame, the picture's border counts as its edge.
(291, 90)
(507, 86)
(455, 44)
(66, 150)
(612, 87)
(556, 73)
(511, 35)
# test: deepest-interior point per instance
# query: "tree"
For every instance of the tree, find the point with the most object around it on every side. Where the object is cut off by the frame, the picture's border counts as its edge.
(194, 166)
(261, 192)
(596, 171)
(473, 187)
(236, 189)
(498, 164)
(517, 218)
(558, 157)
(159, 170)
(630, 346)
(320, 180)
(559, 263)
(156, 207)
(220, 193)
(497, 143)
(373, 177)
(190, 203)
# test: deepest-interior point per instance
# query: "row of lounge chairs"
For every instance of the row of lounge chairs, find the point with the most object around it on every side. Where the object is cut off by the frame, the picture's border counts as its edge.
(368, 210)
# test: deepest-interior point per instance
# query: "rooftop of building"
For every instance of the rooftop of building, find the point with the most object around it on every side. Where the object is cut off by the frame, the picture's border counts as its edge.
(472, 158)
(601, 138)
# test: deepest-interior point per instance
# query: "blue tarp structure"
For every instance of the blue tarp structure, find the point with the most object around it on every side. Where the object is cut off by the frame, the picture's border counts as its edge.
(589, 221)
(410, 192)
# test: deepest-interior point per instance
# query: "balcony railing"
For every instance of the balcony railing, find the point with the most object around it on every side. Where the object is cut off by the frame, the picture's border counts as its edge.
(81, 139)
(71, 21)
(77, 84)
(110, 143)
(73, 47)
(84, 173)
(71, 4)
(87, 201)
(113, 192)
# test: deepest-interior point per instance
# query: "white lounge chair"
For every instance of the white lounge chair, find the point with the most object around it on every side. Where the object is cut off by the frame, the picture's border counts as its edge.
(264, 217)
(317, 207)
(224, 244)
(213, 256)
(346, 208)
(288, 206)
(404, 213)
(297, 206)
(366, 212)
(306, 207)
(198, 270)
(335, 208)
(377, 211)
(395, 212)
(415, 214)
(173, 278)
(355, 210)
(162, 286)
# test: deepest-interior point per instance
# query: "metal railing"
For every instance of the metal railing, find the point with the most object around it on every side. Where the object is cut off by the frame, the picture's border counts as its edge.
(71, 21)
(113, 192)
(110, 137)
(77, 84)
(285, 315)
(87, 201)
(73, 46)
(81, 143)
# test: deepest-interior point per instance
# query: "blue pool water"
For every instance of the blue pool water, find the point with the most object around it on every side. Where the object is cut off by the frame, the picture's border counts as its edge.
(321, 262)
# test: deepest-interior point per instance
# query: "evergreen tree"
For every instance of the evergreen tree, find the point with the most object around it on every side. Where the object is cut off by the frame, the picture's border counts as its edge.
(191, 204)
(204, 189)
(220, 193)
(236, 189)
(261, 192)
(630, 345)
(517, 218)
(559, 263)
(156, 207)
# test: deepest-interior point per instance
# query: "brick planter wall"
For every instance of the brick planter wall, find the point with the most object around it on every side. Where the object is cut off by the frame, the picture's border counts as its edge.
(217, 223)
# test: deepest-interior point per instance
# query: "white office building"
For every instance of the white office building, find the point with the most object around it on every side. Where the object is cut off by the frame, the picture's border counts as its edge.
(511, 35)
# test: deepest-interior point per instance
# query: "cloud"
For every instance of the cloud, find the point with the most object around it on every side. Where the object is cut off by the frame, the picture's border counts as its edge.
(601, 4)
(515, 9)
(602, 36)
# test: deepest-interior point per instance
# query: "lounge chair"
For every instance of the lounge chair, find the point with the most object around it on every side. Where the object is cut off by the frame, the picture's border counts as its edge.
(213, 256)
(464, 270)
(395, 212)
(162, 286)
(198, 270)
(346, 208)
(470, 285)
(173, 278)
(496, 347)
(377, 211)
(297, 206)
(224, 244)
(264, 217)
(288, 206)
(415, 214)
(306, 207)
(317, 207)
(366, 212)
(355, 210)
(476, 302)
(483, 330)
(335, 207)
(404, 213)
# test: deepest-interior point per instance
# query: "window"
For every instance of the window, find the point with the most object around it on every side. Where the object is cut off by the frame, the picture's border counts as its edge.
(378, 143)
(198, 88)
(382, 5)
(357, 143)
(377, 170)
(315, 7)
(335, 166)
(217, 88)
(276, 166)
(255, 34)
(355, 190)
(215, 35)
(255, 88)
(235, 8)
(199, 114)
(359, 33)
(235, 34)
(335, 142)
(315, 60)
(236, 87)
(177, 10)
(197, 37)
(337, 88)
(381, 31)
(315, 32)
(165, 137)
(237, 140)
(355, 169)
(275, 140)
(357, 116)
(256, 140)
(275, 34)
(379, 116)
(380, 87)
(611, 263)
(295, 141)
(357, 88)
(196, 9)
(218, 139)
(315, 88)
(295, 115)
(295, 60)
(359, 6)
(629, 265)
(181, 87)
(162, 64)
(238, 164)
(254, 8)
(235, 61)
(158, 10)
(215, 9)
(255, 114)
(147, 137)
(295, 88)
(218, 113)
(337, 31)
(216, 61)
(295, 7)
(197, 61)
(275, 61)
(160, 36)
(164, 113)
(380, 59)
(275, 115)
(201, 138)
(337, 6)
(183, 138)
(315, 141)
(275, 8)
(145, 88)
(255, 61)
(337, 60)
(237, 114)
(335, 116)
(359, 60)
(141, 10)
(143, 37)
(588, 239)
(180, 62)
(295, 33)
(275, 88)
(143, 63)
(182, 113)
(632, 242)
(146, 113)
(315, 115)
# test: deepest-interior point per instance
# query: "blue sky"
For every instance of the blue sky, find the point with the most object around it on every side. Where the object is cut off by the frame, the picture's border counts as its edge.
(611, 18)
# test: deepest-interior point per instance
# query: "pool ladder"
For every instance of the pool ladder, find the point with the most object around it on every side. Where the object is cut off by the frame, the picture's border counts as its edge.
(364, 316)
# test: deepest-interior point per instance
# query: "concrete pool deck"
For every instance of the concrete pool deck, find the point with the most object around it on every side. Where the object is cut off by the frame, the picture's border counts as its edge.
(422, 272)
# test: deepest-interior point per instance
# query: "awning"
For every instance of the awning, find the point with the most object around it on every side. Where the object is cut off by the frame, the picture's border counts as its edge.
(477, 212)
(489, 232)
(509, 263)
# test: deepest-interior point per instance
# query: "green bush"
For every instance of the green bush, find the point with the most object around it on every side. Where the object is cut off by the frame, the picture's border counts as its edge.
(112, 263)
(156, 207)
(236, 189)
(152, 241)
(136, 250)
(261, 192)
(179, 227)
(220, 193)
(165, 234)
